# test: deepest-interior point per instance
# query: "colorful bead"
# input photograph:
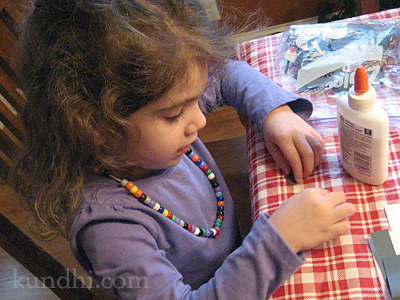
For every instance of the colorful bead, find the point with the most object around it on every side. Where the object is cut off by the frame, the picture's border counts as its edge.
(129, 185)
(143, 198)
(209, 233)
(218, 194)
(156, 206)
(147, 200)
(218, 189)
(134, 189)
(218, 222)
(138, 193)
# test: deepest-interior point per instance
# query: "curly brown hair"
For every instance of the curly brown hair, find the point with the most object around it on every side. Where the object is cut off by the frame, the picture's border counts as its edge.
(86, 65)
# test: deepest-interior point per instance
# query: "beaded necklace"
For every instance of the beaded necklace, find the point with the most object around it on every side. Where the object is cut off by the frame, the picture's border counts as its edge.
(143, 198)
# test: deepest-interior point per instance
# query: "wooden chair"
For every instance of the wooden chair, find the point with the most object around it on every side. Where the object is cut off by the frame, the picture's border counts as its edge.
(367, 6)
(52, 261)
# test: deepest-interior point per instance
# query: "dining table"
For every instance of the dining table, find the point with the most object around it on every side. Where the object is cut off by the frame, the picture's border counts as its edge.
(345, 267)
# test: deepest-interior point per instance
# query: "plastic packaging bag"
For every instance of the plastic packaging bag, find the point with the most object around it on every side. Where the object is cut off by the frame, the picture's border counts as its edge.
(324, 57)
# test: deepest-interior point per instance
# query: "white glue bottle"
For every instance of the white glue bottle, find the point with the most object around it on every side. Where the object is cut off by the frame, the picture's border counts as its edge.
(363, 132)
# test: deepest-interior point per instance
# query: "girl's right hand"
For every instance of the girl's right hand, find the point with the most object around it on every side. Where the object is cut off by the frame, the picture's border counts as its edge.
(312, 217)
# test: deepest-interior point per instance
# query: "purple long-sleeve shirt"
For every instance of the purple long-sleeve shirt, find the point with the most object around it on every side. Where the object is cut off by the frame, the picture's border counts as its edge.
(137, 253)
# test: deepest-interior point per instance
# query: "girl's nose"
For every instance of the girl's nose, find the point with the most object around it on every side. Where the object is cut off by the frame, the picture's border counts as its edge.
(197, 121)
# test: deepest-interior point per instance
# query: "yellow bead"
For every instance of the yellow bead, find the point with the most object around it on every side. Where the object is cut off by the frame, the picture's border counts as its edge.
(134, 189)
(165, 212)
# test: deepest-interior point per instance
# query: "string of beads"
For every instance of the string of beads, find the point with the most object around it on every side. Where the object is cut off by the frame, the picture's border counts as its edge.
(146, 200)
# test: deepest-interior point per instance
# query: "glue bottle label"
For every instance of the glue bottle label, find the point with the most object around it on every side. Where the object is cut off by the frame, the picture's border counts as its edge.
(356, 146)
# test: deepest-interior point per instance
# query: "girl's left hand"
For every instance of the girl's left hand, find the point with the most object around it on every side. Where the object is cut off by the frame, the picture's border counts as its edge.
(293, 144)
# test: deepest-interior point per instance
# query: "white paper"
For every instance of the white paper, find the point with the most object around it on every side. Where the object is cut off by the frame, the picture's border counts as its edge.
(393, 216)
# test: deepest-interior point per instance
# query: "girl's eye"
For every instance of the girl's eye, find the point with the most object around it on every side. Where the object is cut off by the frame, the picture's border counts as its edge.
(175, 117)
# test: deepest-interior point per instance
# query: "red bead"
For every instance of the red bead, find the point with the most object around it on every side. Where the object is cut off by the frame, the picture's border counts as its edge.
(220, 217)
(138, 194)
(190, 227)
(170, 215)
(129, 185)
(205, 169)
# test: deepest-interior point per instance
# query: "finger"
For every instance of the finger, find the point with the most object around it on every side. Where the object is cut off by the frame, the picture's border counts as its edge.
(293, 158)
(343, 211)
(317, 146)
(279, 158)
(307, 155)
(336, 198)
(341, 227)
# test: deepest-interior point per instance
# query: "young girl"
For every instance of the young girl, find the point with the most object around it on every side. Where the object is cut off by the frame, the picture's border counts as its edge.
(115, 93)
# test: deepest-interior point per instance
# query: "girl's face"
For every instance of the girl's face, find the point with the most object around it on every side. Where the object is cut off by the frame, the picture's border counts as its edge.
(162, 131)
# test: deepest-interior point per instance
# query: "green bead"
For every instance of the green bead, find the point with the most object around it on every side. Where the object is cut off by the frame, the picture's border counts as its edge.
(218, 222)
(173, 219)
(208, 172)
(204, 232)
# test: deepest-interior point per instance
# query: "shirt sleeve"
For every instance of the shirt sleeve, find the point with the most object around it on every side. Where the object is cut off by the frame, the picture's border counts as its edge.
(252, 93)
(125, 259)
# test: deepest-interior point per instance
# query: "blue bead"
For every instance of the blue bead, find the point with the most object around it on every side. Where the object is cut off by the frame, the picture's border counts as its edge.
(161, 209)
(220, 208)
(198, 162)
(220, 198)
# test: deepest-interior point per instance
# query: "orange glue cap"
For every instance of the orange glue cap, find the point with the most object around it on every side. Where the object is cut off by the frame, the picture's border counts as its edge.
(361, 81)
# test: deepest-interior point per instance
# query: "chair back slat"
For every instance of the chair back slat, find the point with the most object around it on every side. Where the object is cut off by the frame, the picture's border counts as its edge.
(12, 100)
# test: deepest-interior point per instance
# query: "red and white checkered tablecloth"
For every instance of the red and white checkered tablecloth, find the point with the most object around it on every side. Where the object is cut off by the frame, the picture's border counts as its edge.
(343, 268)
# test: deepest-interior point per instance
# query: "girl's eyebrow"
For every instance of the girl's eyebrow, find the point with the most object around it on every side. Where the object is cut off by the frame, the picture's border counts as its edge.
(176, 104)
